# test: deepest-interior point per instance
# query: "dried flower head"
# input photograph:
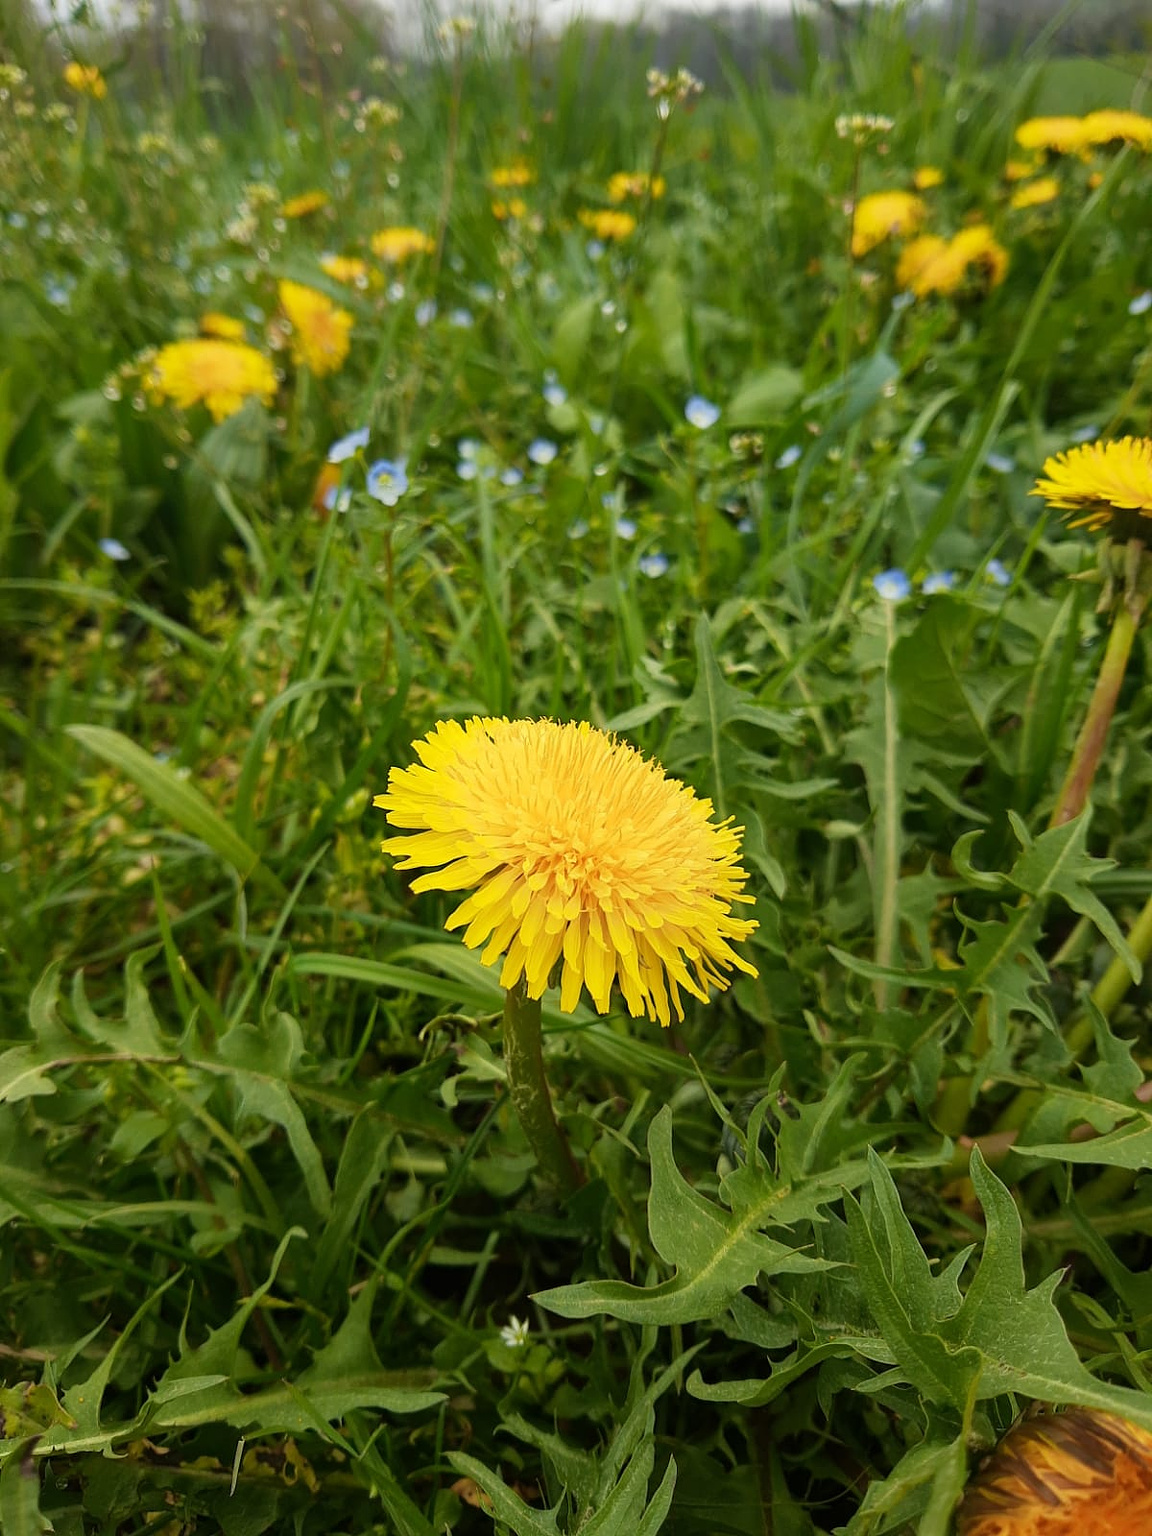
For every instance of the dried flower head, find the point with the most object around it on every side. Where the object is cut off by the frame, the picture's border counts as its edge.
(581, 854)
(1077, 1473)
(1102, 486)
(863, 127)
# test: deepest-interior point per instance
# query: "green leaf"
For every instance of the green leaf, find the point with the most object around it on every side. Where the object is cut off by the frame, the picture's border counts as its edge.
(715, 1252)
(262, 1062)
(176, 800)
(20, 1493)
(764, 397)
(1000, 1337)
(942, 699)
(505, 1506)
(362, 1162)
(927, 1476)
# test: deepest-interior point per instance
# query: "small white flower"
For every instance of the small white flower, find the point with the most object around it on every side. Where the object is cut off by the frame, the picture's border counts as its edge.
(515, 1332)
(114, 550)
(1142, 303)
(701, 413)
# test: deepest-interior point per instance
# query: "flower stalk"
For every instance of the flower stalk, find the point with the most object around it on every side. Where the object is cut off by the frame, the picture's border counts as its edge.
(528, 1089)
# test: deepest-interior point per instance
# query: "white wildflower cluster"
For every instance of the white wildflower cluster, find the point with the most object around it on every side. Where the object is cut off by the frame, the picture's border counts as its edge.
(669, 91)
(860, 127)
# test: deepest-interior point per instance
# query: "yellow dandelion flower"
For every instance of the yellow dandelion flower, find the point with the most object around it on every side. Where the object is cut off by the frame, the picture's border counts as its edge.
(978, 247)
(344, 269)
(219, 374)
(608, 223)
(512, 208)
(1020, 170)
(1106, 127)
(583, 855)
(321, 330)
(922, 264)
(1099, 483)
(881, 214)
(400, 241)
(925, 177)
(1045, 189)
(625, 184)
(306, 203)
(212, 323)
(85, 80)
(930, 264)
(518, 174)
(1077, 1473)
(1061, 135)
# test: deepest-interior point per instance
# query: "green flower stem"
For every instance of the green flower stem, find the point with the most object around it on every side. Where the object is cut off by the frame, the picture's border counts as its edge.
(1094, 732)
(528, 1086)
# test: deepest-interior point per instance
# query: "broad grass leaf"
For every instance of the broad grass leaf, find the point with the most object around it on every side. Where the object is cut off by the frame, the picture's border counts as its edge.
(943, 700)
(180, 802)
(362, 1162)
(716, 1253)
(763, 398)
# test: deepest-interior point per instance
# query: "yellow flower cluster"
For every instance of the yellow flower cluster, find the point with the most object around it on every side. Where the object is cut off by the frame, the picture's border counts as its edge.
(1080, 135)
(608, 223)
(1045, 189)
(881, 214)
(321, 330)
(625, 184)
(506, 177)
(931, 264)
(509, 208)
(396, 243)
(344, 269)
(583, 857)
(85, 80)
(218, 374)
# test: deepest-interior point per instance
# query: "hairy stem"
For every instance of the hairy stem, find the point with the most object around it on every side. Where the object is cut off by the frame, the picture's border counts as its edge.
(528, 1086)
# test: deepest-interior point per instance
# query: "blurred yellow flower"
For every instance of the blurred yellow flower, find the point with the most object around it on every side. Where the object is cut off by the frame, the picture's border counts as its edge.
(212, 323)
(1108, 126)
(1076, 1473)
(219, 374)
(1045, 189)
(925, 177)
(1020, 170)
(1062, 135)
(626, 184)
(513, 208)
(518, 174)
(344, 269)
(583, 856)
(321, 331)
(881, 214)
(1099, 482)
(85, 80)
(400, 241)
(608, 223)
(306, 203)
(931, 264)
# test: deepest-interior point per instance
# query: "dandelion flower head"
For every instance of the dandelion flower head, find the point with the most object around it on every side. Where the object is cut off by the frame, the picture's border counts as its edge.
(226, 327)
(85, 80)
(925, 177)
(509, 208)
(344, 269)
(1045, 189)
(1106, 127)
(580, 854)
(881, 214)
(608, 223)
(396, 243)
(307, 202)
(1078, 1473)
(321, 330)
(1098, 483)
(219, 374)
(1060, 135)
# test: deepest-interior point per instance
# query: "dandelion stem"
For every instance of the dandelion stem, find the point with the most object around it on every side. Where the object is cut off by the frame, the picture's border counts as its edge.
(1094, 732)
(528, 1086)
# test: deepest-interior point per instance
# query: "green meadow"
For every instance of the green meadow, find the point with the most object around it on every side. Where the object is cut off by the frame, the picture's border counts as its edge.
(355, 396)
